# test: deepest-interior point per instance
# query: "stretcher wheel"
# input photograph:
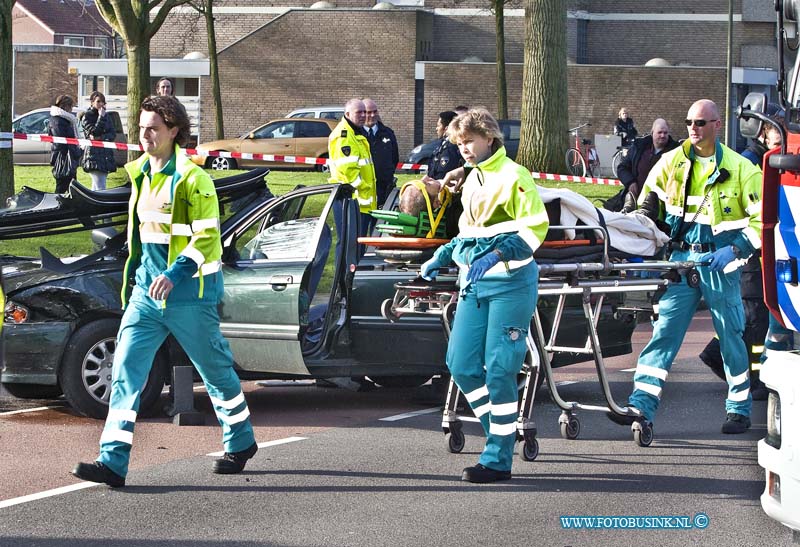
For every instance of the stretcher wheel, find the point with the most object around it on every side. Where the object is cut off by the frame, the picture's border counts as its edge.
(455, 441)
(693, 278)
(386, 311)
(529, 450)
(571, 428)
(643, 435)
(449, 312)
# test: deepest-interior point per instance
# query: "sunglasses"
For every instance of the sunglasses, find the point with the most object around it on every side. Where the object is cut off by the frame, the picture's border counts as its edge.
(698, 123)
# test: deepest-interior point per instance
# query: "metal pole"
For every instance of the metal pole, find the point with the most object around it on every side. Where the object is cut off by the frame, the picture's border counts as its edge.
(728, 76)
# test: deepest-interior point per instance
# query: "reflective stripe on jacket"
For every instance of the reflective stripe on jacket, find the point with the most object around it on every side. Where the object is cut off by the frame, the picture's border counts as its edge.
(191, 229)
(351, 163)
(730, 205)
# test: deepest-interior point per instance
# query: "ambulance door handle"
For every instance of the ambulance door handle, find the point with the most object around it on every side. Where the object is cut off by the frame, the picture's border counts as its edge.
(279, 282)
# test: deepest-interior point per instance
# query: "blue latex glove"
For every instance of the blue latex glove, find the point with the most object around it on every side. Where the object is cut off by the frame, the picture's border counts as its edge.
(481, 266)
(430, 269)
(720, 258)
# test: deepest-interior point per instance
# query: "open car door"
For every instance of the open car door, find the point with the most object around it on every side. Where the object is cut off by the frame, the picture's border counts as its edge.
(279, 264)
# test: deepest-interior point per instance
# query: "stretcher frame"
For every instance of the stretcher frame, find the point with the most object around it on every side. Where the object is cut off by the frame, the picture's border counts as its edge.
(588, 279)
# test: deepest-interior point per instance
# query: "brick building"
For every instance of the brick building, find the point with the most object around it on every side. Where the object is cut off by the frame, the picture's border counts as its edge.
(423, 57)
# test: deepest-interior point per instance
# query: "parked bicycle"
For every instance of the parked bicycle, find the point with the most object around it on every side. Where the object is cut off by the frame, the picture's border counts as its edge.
(616, 159)
(582, 158)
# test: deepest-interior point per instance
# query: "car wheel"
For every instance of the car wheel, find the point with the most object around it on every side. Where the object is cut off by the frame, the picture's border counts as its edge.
(400, 381)
(220, 164)
(32, 391)
(323, 167)
(85, 374)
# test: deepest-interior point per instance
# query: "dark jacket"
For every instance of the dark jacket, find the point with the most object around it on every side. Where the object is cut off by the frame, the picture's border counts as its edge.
(444, 159)
(63, 157)
(628, 170)
(385, 156)
(755, 152)
(626, 130)
(99, 128)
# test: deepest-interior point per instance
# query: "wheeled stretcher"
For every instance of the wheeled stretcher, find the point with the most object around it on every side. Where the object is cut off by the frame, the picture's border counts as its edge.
(592, 282)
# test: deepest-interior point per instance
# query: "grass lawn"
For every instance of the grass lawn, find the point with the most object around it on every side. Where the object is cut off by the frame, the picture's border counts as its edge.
(280, 182)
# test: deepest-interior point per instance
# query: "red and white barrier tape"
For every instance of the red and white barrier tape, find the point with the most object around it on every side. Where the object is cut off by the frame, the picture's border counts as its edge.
(263, 157)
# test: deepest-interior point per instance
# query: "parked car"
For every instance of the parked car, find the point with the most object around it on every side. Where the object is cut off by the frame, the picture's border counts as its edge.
(284, 137)
(291, 308)
(423, 153)
(37, 152)
(324, 112)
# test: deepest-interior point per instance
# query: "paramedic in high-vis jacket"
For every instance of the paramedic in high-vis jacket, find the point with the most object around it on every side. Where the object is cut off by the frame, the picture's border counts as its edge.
(174, 258)
(711, 197)
(503, 223)
(351, 163)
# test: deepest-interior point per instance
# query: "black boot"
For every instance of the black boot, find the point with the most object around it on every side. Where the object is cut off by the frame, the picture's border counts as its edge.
(712, 357)
(481, 474)
(630, 204)
(233, 462)
(97, 472)
(650, 206)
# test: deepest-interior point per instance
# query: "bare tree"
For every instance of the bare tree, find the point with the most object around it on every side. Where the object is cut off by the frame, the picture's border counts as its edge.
(6, 60)
(543, 137)
(131, 19)
(206, 8)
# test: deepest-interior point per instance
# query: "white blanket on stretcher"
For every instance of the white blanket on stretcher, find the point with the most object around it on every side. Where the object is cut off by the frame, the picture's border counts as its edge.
(632, 233)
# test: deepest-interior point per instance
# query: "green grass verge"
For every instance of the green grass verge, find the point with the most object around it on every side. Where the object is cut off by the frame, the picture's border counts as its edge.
(280, 182)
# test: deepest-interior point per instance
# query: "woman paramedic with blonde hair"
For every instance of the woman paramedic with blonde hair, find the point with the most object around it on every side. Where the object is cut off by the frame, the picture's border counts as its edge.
(503, 223)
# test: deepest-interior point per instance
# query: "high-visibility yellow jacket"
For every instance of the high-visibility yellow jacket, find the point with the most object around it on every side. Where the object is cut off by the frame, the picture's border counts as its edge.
(351, 163)
(725, 200)
(192, 227)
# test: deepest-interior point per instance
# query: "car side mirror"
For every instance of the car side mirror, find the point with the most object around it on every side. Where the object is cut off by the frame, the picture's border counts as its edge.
(251, 135)
(750, 126)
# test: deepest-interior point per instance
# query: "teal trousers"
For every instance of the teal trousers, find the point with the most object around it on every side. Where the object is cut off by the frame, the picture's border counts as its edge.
(145, 326)
(485, 354)
(722, 295)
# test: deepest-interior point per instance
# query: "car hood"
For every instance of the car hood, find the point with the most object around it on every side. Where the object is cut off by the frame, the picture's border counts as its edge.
(20, 273)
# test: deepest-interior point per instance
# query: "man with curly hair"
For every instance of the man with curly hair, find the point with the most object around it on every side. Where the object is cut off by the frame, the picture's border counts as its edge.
(174, 267)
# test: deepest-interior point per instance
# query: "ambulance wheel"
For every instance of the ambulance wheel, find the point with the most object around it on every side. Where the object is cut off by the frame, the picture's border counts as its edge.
(693, 278)
(386, 311)
(571, 428)
(644, 435)
(529, 450)
(85, 372)
(455, 441)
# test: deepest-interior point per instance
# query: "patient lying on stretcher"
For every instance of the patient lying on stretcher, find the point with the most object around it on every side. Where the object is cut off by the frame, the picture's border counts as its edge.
(425, 211)
(635, 233)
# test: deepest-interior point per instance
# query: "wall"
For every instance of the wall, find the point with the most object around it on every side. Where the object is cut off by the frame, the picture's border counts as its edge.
(279, 68)
(40, 74)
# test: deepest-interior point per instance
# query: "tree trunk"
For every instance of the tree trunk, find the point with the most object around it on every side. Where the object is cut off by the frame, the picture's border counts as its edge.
(6, 60)
(216, 93)
(500, 46)
(544, 119)
(138, 89)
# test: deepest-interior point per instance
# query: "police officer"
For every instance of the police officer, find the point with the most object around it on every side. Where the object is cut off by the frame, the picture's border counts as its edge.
(711, 197)
(175, 259)
(446, 157)
(351, 163)
(383, 147)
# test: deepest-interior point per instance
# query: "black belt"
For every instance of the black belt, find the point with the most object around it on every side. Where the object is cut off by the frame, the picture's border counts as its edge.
(694, 247)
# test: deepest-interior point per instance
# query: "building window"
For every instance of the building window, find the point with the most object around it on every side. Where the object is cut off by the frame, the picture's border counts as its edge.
(73, 40)
(104, 43)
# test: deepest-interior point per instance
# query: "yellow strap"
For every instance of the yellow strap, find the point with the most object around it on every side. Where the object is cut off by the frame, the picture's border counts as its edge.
(419, 185)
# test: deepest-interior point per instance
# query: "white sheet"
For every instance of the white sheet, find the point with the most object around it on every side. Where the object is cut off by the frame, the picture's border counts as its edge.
(631, 233)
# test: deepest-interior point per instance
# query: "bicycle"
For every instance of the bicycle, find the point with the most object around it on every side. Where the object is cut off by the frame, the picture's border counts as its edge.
(617, 159)
(581, 158)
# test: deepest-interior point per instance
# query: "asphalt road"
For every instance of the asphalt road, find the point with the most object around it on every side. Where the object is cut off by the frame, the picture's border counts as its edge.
(332, 472)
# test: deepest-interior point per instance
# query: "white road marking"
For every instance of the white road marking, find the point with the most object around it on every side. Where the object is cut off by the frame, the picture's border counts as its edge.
(266, 444)
(47, 494)
(24, 410)
(410, 414)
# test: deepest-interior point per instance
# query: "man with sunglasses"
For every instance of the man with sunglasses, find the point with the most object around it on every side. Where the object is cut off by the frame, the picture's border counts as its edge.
(710, 197)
